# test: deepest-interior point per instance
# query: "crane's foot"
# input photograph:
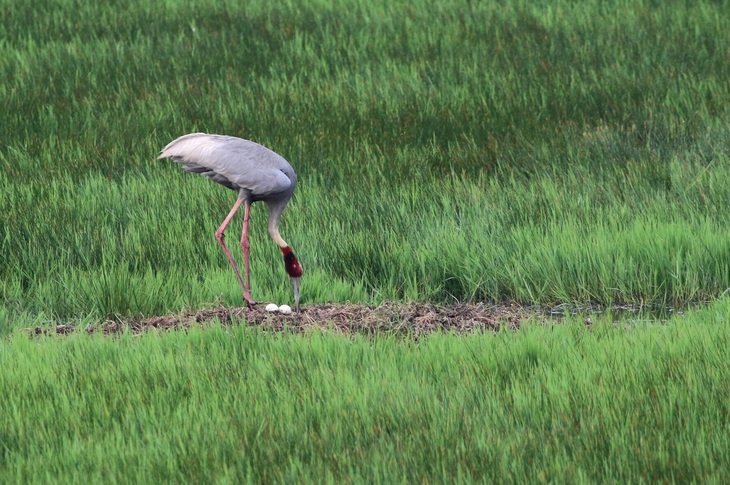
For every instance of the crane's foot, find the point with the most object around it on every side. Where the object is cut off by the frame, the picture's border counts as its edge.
(250, 302)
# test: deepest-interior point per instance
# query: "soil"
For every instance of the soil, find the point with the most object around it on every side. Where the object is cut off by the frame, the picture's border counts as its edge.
(414, 319)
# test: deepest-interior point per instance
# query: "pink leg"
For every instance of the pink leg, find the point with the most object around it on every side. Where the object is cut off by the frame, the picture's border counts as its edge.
(219, 237)
(245, 246)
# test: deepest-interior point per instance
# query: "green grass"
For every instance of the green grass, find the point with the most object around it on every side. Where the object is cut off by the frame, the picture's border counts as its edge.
(559, 403)
(446, 150)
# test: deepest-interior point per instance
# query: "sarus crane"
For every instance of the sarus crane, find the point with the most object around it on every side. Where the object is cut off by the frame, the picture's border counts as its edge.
(256, 174)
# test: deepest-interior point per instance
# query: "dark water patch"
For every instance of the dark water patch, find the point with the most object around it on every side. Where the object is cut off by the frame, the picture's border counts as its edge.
(616, 311)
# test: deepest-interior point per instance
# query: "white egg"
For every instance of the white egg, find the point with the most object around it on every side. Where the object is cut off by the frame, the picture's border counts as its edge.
(285, 309)
(271, 307)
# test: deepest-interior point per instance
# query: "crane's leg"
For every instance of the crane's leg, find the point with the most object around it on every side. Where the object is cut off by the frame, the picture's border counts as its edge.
(245, 246)
(219, 236)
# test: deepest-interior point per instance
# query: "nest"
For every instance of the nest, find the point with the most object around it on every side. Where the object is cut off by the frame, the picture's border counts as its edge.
(414, 319)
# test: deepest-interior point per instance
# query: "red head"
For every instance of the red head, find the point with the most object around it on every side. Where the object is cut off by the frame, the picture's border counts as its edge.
(294, 269)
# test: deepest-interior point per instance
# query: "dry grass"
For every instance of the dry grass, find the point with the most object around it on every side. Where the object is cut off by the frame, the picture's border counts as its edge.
(413, 319)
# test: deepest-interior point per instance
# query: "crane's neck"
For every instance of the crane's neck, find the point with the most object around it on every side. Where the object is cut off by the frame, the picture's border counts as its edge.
(291, 263)
(293, 268)
(276, 208)
(274, 217)
(274, 233)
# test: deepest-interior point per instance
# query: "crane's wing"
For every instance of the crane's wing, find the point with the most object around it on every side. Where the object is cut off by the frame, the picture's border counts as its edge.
(233, 162)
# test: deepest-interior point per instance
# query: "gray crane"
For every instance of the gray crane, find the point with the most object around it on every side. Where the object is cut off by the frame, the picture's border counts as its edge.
(256, 174)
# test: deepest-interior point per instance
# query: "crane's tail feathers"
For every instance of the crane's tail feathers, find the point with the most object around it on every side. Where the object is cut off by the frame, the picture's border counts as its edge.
(191, 151)
(193, 147)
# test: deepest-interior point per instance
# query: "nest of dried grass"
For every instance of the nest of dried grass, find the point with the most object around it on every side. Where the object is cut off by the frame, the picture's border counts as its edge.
(413, 319)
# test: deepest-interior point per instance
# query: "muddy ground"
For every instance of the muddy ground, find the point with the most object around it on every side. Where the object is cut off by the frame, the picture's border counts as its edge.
(413, 319)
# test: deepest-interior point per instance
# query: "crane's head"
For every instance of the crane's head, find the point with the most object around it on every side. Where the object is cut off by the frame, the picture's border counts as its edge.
(294, 270)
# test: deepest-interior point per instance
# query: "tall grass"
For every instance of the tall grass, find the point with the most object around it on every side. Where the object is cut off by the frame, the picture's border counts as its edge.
(557, 403)
(446, 150)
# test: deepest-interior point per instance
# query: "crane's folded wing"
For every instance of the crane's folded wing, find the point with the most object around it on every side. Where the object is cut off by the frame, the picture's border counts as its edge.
(233, 162)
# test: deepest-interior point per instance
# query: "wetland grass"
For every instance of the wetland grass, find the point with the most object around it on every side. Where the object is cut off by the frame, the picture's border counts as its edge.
(523, 152)
(561, 403)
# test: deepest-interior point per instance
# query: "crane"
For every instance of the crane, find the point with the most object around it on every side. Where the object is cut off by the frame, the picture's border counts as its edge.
(256, 174)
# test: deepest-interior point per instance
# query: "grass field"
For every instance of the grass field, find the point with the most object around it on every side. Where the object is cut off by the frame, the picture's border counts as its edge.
(446, 151)
(545, 404)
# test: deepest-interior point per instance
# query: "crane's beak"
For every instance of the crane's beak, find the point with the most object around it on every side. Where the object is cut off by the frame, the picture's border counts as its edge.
(295, 286)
